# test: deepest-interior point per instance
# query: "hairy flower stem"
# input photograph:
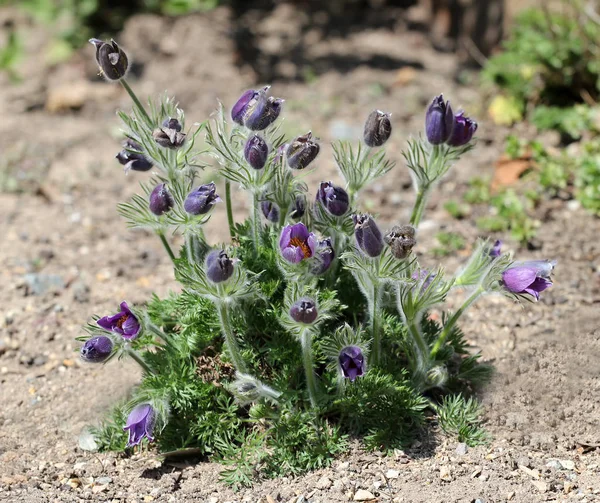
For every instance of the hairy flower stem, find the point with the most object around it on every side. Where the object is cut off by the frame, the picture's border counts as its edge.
(441, 340)
(307, 358)
(229, 209)
(137, 102)
(375, 331)
(136, 356)
(255, 221)
(421, 351)
(165, 243)
(417, 213)
(168, 340)
(233, 347)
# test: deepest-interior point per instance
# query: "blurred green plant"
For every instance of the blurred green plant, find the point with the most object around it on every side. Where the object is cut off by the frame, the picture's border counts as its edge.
(10, 54)
(450, 243)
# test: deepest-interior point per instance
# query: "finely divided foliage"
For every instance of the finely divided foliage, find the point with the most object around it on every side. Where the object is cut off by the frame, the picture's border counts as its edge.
(312, 325)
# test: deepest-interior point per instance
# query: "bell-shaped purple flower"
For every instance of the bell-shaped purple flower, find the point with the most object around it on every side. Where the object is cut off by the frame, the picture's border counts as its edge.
(96, 349)
(111, 59)
(256, 110)
(296, 243)
(124, 323)
(219, 267)
(201, 200)
(302, 151)
(334, 199)
(270, 211)
(132, 157)
(352, 362)
(439, 120)
(256, 152)
(324, 256)
(140, 424)
(304, 311)
(378, 129)
(532, 277)
(496, 250)
(172, 123)
(462, 130)
(161, 200)
(239, 109)
(368, 236)
(299, 207)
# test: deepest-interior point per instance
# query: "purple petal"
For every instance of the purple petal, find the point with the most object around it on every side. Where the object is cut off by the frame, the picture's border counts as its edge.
(284, 240)
(299, 231)
(293, 254)
(517, 279)
(313, 242)
(138, 414)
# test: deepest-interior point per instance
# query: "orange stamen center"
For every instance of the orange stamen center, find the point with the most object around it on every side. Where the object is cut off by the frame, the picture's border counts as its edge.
(122, 320)
(303, 245)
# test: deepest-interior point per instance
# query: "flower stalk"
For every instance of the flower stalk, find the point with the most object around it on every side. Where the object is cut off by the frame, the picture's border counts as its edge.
(138, 359)
(231, 343)
(166, 245)
(229, 208)
(137, 103)
(307, 359)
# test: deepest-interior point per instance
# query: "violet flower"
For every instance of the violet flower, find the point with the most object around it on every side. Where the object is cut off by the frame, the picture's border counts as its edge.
(352, 362)
(334, 199)
(462, 130)
(368, 236)
(378, 129)
(140, 424)
(296, 243)
(496, 249)
(270, 211)
(202, 199)
(439, 121)
(161, 200)
(255, 110)
(532, 277)
(256, 152)
(96, 349)
(219, 267)
(124, 323)
(132, 157)
(304, 311)
(302, 151)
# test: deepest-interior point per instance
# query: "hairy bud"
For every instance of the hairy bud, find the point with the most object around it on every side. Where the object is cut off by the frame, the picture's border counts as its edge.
(462, 130)
(367, 234)
(302, 151)
(201, 200)
(219, 267)
(439, 120)
(111, 59)
(378, 129)
(304, 311)
(161, 200)
(334, 199)
(401, 239)
(132, 157)
(256, 152)
(96, 349)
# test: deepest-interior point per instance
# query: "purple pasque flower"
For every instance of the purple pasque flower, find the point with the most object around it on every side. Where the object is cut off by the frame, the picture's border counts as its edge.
(201, 200)
(124, 323)
(161, 200)
(219, 267)
(96, 349)
(352, 362)
(140, 424)
(132, 157)
(531, 277)
(304, 311)
(302, 151)
(378, 129)
(110, 58)
(256, 152)
(270, 211)
(496, 249)
(334, 199)
(439, 121)
(367, 234)
(255, 110)
(463, 130)
(296, 243)
(324, 256)
(241, 105)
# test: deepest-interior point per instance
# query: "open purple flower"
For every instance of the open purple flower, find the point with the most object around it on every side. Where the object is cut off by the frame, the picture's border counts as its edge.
(140, 424)
(352, 362)
(496, 249)
(530, 278)
(439, 121)
(323, 257)
(124, 323)
(96, 349)
(296, 243)
(462, 130)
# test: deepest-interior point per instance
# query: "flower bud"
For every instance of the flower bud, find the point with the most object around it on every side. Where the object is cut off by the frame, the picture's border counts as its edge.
(201, 200)
(255, 110)
(270, 211)
(333, 198)
(97, 349)
(111, 59)
(169, 135)
(462, 130)
(240, 107)
(132, 157)
(352, 362)
(324, 256)
(161, 200)
(304, 311)
(299, 207)
(496, 250)
(172, 123)
(439, 120)
(256, 152)
(401, 239)
(219, 267)
(124, 323)
(368, 236)
(302, 151)
(378, 129)
(140, 424)
(437, 376)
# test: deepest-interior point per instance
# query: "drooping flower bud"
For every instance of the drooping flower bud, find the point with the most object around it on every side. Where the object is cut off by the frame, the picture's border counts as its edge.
(96, 349)
(532, 277)
(304, 311)
(161, 200)
(302, 151)
(368, 236)
(439, 121)
(219, 267)
(132, 157)
(169, 135)
(351, 362)
(256, 151)
(240, 107)
(256, 110)
(462, 130)
(124, 323)
(140, 424)
(378, 128)
(401, 239)
(496, 250)
(296, 243)
(334, 199)
(299, 207)
(437, 376)
(201, 200)
(111, 59)
(324, 256)
(270, 211)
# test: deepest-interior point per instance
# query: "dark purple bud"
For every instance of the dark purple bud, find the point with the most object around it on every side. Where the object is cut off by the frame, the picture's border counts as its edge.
(124, 323)
(97, 349)
(132, 157)
(324, 256)
(256, 152)
(270, 211)
(296, 243)
(219, 267)
(299, 207)
(462, 130)
(239, 109)
(304, 311)
(378, 129)
(140, 424)
(169, 137)
(496, 249)
(333, 198)
(302, 151)
(401, 239)
(368, 236)
(161, 200)
(260, 111)
(439, 120)
(201, 200)
(111, 59)
(171, 123)
(352, 362)
(530, 278)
